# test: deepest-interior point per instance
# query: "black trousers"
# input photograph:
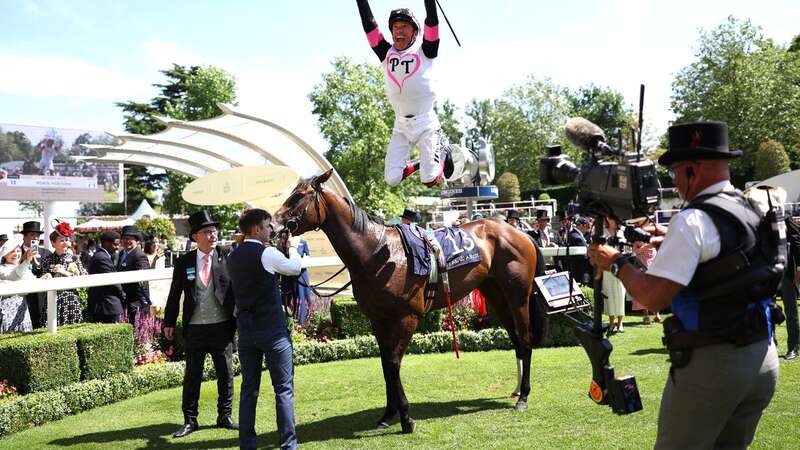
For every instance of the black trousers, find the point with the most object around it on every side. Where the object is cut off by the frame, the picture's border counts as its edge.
(217, 340)
(33, 309)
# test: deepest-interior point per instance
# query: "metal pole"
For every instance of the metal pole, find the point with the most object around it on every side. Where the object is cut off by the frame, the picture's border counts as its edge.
(52, 319)
(49, 212)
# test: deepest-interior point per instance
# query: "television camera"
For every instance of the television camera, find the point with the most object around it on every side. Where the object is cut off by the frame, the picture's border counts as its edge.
(620, 186)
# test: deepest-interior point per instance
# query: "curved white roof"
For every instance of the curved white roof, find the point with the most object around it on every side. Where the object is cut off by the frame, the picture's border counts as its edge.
(234, 139)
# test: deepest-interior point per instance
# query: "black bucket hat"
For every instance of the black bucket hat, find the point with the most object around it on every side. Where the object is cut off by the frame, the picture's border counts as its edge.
(696, 141)
(200, 220)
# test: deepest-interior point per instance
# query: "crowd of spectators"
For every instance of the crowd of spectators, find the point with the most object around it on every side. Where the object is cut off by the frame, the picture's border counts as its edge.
(27, 258)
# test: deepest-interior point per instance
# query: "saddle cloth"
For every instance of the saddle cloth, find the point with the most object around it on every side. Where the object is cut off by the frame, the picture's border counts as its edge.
(458, 247)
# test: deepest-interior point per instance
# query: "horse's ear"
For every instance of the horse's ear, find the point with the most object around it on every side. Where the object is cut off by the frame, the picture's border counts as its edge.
(322, 178)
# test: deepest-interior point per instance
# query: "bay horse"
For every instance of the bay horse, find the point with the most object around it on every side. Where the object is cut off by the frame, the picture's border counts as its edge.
(392, 297)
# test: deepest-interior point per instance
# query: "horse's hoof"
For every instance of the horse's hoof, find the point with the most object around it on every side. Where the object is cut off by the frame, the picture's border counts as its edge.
(522, 405)
(409, 426)
(382, 426)
(515, 394)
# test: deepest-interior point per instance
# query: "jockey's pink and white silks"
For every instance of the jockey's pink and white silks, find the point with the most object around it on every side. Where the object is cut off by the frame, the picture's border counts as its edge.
(408, 76)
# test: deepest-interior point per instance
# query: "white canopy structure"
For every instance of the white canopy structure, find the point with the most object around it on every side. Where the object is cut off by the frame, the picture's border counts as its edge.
(102, 225)
(790, 181)
(234, 139)
(144, 209)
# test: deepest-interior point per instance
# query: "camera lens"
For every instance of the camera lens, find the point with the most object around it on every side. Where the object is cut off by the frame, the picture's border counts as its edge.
(557, 170)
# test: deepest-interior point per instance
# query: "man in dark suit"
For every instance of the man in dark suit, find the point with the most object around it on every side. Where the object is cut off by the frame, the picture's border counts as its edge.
(208, 323)
(132, 257)
(105, 302)
(31, 231)
(578, 265)
(791, 281)
(253, 268)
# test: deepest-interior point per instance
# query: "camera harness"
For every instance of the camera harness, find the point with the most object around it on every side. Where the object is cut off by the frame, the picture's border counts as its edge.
(729, 289)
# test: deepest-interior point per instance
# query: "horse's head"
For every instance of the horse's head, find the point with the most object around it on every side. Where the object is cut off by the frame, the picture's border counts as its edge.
(304, 210)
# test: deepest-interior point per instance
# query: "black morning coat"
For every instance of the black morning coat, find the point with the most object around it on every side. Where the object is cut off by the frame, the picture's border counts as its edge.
(106, 300)
(183, 282)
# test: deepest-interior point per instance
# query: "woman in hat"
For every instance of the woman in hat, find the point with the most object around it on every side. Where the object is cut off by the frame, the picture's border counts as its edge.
(14, 314)
(62, 263)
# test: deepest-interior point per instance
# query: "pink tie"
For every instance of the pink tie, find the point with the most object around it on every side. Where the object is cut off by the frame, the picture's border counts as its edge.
(205, 275)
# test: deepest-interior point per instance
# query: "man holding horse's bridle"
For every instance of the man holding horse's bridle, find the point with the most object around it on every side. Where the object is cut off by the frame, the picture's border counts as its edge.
(724, 363)
(408, 72)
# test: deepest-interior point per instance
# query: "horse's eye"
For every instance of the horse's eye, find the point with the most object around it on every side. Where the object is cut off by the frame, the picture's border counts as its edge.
(296, 197)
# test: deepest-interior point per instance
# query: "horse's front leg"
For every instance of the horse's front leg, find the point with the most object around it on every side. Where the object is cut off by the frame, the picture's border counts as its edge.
(393, 342)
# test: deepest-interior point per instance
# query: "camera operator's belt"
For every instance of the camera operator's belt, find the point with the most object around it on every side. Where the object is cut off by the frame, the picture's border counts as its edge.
(696, 339)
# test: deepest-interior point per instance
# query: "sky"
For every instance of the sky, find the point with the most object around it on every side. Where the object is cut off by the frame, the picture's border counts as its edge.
(63, 63)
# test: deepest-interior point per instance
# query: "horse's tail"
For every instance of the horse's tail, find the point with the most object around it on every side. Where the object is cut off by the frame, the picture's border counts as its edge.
(537, 311)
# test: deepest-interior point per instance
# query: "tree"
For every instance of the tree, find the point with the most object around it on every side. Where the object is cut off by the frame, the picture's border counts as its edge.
(480, 111)
(355, 117)
(157, 226)
(746, 80)
(450, 126)
(525, 119)
(508, 188)
(191, 93)
(771, 160)
(602, 106)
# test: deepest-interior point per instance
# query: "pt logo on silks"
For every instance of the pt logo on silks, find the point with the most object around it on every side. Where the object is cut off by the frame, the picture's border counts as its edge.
(399, 68)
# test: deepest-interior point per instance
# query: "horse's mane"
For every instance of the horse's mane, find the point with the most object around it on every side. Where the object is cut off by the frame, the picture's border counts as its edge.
(361, 218)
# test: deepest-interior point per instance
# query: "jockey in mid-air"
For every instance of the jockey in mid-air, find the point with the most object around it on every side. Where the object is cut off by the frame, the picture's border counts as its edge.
(408, 70)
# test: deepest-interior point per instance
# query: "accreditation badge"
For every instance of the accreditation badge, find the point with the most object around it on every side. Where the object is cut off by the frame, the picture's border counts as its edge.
(190, 273)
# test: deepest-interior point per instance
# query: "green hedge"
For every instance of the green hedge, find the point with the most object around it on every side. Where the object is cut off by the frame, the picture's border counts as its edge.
(347, 316)
(41, 407)
(39, 361)
(103, 349)
(367, 346)
(35, 409)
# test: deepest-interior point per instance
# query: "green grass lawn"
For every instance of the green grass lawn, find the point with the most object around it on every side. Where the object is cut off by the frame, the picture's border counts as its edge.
(456, 403)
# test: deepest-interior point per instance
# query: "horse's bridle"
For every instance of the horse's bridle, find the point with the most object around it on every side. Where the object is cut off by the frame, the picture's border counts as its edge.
(293, 223)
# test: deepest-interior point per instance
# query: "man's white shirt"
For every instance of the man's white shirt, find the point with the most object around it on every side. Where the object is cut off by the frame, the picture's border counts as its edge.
(275, 261)
(692, 238)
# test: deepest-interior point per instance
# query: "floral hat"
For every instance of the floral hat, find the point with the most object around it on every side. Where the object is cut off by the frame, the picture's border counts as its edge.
(63, 229)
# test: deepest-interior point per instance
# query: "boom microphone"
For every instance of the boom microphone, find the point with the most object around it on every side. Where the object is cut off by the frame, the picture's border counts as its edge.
(588, 136)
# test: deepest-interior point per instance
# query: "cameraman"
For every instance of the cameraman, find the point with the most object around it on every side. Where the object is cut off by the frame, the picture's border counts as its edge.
(724, 366)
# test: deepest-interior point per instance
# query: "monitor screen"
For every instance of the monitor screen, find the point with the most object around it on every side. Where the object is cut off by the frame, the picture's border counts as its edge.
(557, 285)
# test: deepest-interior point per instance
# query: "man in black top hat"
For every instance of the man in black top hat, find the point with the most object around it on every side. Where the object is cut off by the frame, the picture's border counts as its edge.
(724, 363)
(31, 231)
(130, 258)
(3, 238)
(512, 218)
(410, 217)
(201, 278)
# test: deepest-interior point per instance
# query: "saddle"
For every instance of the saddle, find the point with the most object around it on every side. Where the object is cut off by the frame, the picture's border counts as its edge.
(434, 253)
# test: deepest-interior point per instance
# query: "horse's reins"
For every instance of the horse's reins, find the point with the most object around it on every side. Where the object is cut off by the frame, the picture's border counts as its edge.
(293, 224)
